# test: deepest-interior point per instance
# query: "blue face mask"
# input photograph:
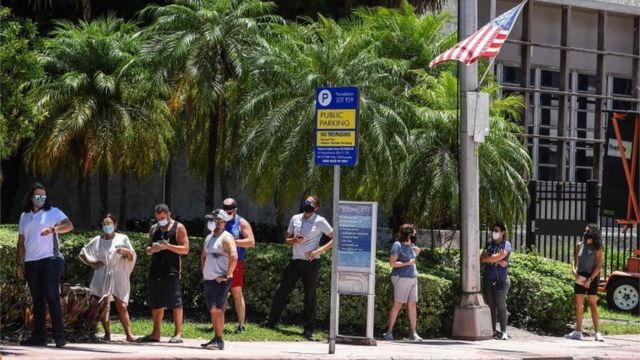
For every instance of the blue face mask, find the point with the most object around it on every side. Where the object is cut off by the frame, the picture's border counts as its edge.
(107, 229)
(39, 200)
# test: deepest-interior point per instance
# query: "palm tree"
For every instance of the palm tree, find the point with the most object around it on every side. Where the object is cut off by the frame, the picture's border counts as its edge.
(429, 187)
(202, 47)
(278, 147)
(97, 118)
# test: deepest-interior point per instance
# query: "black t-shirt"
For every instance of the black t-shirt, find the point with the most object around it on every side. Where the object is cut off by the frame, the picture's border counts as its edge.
(165, 263)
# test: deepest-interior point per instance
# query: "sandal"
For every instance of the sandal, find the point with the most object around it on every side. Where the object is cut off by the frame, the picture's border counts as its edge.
(176, 340)
(147, 339)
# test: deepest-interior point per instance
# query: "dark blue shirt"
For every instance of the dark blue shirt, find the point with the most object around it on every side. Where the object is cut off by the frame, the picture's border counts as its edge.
(233, 227)
(494, 272)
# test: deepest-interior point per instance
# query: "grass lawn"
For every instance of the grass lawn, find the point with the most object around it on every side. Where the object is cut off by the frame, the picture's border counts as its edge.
(196, 330)
(612, 322)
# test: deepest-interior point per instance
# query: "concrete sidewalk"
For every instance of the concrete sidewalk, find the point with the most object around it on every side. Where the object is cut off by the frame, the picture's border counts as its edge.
(615, 347)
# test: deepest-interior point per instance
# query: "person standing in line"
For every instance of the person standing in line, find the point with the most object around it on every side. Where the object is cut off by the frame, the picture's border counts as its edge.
(218, 260)
(404, 278)
(241, 230)
(586, 266)
(496, 277)
(38, 259)
(112, 257)
(168, 241)
(304, 234)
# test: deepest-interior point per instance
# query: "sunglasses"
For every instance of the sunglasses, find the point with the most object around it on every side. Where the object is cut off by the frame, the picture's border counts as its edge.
(228, 208)
(38, 197)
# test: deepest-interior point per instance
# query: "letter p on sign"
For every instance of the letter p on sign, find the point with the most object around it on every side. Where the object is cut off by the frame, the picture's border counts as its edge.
(324, 97)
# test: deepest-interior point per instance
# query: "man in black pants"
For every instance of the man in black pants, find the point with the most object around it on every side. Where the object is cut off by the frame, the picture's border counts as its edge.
(304, 234)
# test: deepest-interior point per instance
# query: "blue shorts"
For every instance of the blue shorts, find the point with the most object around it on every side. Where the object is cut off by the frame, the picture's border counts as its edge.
(215, 293)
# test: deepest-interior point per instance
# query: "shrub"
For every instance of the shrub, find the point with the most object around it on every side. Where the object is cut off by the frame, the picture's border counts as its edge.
(540, 297)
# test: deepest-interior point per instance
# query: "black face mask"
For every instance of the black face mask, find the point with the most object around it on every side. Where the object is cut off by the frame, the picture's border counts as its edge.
(587, 235)
(413, 238)
(307, 207)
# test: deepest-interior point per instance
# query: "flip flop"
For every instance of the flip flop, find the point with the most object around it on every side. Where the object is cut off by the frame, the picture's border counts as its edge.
(176, 340)
(147, 339)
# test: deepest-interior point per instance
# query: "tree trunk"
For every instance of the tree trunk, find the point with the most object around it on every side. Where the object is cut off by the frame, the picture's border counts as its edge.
(167, 182)
(224, 175)
(103, 179)
(122, 216)
(86, 10)
(211, 161)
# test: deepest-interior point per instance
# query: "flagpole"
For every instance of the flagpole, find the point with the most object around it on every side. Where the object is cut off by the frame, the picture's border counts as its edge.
(493, 59)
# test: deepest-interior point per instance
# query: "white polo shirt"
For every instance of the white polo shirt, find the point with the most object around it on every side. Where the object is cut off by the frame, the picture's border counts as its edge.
(311, 229)
(31, 225)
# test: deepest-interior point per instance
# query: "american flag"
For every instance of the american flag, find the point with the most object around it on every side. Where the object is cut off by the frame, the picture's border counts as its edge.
(485, 42)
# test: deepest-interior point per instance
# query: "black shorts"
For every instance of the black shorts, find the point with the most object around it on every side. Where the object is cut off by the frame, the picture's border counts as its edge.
(164, 293)
(592, 290)
(215, 293)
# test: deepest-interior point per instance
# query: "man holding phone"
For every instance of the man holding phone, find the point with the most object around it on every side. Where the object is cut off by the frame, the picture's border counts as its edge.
(304, 234)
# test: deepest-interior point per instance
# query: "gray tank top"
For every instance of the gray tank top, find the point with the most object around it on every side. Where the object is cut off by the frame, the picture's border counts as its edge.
(217, 260)
(586, 258)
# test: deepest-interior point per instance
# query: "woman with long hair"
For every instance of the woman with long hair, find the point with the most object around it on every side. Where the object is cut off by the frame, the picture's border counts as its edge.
(586, 266)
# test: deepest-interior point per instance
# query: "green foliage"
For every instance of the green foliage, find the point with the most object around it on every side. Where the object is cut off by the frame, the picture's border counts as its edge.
(19, 65)
(540, 297)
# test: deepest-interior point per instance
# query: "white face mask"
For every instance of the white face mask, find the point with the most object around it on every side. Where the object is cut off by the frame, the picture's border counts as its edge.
(211, 225)
(495, 235)
(163, 222)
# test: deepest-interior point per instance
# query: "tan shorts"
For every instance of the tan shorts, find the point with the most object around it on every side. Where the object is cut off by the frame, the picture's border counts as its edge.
(405, 290)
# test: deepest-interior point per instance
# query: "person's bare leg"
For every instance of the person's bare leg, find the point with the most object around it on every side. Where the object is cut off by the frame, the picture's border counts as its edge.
(393, 315)
(412, 312)
(218, 321)
(104, 318)
(123, 312)
(157, 315)
(238, 304)
(177, 321)
(579, 311)
(593, 307)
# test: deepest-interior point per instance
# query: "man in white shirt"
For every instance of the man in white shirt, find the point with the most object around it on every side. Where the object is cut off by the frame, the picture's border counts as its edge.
(304, 234)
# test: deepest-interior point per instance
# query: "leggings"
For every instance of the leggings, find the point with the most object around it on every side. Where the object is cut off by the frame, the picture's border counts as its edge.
(497, 301)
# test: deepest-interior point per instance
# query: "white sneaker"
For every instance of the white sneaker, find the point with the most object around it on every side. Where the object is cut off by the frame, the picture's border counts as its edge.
(415, 337)
(574, 335)
(388, 335)
(505, 336)
(599, 336)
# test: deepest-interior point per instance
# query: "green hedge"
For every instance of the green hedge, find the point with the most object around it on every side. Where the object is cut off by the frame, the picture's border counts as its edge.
(540, 297)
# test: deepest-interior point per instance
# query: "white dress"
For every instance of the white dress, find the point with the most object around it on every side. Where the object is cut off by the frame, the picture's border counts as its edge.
(111, 279)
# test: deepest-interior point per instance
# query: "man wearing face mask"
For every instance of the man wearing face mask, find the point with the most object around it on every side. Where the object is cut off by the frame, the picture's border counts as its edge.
(38, 259)
(168, 241)
(304, 234)
(241, 230)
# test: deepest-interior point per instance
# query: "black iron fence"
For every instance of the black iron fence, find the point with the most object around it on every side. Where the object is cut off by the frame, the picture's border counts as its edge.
(556, 218)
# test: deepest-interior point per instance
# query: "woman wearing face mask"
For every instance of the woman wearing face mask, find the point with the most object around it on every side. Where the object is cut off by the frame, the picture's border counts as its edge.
(586, 265)
(112, 257)
(496, 278)
(38, 259)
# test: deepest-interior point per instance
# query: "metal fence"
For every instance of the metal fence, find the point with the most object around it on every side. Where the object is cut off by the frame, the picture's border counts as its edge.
(556, 218)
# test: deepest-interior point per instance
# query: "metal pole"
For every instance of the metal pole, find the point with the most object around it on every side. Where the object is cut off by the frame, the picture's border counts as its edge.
(472, 319)
(333, 317)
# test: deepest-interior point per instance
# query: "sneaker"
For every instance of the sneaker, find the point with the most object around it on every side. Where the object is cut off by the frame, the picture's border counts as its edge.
(241, 329)
(60, 343)
(574, 335)
(504, 336)
(31, 341)
(214, 344)
(599, 336)
(415, 337)
(388, 335)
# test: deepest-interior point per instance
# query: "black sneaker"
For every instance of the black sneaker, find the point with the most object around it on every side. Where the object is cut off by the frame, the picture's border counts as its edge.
(60, 343)
(220, 344)
(308, 335)
(241, 329)
(31, 341)
(211, 345)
